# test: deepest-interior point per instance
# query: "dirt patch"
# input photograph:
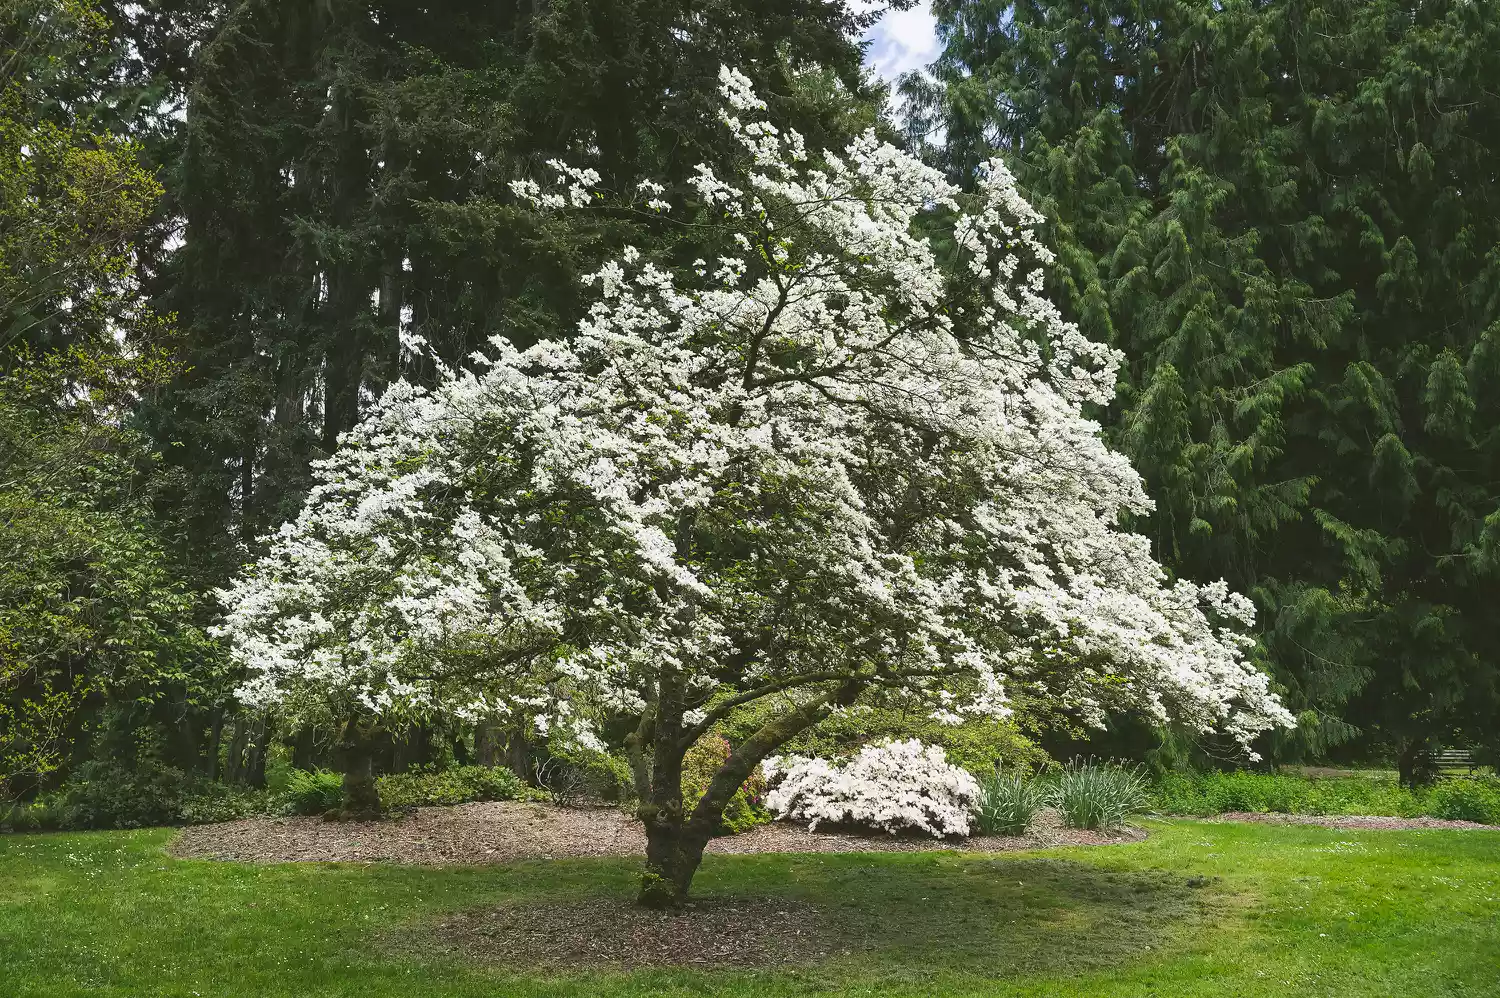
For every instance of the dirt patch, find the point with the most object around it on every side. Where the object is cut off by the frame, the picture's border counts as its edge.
(1350, 821)
(600, 932)
(499, 832)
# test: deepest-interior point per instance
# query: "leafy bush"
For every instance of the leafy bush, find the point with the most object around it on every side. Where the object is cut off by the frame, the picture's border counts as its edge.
(573, 774)
(1091, 794)
(1217, 793)
(22, 817)
(1007, 803)
(746, 809)
(1466, 800)
(895, 786)
(108, 795)
(459, 785)
(208, 803)
(313, 792)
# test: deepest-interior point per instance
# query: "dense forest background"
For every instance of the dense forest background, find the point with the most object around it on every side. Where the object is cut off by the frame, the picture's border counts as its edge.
(219, 222)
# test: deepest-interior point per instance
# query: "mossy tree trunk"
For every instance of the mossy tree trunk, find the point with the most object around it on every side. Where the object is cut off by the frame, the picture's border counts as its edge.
(357, 760)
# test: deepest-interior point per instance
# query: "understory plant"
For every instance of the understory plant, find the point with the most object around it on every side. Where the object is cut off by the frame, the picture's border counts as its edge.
(459, 785)
(1092, 794)
(315, 791)
(1008, 801)
(896, 786)
(747, 808)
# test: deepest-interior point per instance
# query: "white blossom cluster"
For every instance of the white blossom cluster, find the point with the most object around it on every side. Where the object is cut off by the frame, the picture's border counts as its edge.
(814, 461)
(893, 787)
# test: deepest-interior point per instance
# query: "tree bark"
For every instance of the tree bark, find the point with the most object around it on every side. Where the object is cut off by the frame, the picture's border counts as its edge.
(1414, 765)
(674, 852)
(255, 767)
(356, 756)
(487, 745)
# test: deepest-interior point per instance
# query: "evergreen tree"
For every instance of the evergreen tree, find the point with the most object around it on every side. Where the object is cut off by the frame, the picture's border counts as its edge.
(1283, 213)
(345, 184)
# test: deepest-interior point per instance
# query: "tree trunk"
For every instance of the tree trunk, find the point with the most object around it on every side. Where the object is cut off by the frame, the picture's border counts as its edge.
(255, 767)
(674, 842)
(674, 852)
(215, 746)
(302, 748)
(1414, 764)
(518, 753)
(234, 757)
(487, 745)
(356, 756)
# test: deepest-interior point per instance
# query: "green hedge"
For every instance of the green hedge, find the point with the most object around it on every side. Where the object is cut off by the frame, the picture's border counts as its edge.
(108, 795)
(1472, 799)
(453, 786)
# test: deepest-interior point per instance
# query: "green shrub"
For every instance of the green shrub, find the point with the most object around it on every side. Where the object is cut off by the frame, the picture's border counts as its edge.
(573, 774)
(316, 792)
(746, 809)
(35, 817)
(1095, 795)
(459, 785)
(1007, 803)
(210, 803)
(1466, 800)
(108, 795)
(1216, 793)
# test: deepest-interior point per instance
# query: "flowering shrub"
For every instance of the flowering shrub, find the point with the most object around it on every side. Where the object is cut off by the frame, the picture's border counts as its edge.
(894, 786)
(746, 809)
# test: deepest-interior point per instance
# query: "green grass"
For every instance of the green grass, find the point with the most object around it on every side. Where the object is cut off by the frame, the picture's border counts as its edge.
(1197, 909)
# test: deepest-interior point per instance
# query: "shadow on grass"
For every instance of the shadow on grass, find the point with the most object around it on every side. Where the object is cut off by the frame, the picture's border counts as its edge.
(895, 914)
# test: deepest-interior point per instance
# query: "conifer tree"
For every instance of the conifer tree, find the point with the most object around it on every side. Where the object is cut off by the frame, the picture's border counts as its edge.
(1282, 213)
(343, 183)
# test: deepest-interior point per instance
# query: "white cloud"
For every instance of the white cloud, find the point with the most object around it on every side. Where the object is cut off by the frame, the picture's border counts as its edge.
(902, 40)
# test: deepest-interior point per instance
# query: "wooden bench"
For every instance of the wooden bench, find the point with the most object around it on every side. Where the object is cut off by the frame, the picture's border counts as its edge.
(1453, 759)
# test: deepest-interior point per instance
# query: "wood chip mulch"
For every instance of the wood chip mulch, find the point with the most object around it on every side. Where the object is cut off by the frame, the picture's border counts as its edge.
(614, 932)
(499, 832)
(1350, 821)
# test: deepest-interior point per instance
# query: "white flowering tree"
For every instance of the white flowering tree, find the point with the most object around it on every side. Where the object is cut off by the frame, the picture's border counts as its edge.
(816, 467)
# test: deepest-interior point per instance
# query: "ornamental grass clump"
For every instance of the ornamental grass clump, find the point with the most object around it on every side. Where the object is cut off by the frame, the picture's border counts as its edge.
(1007, 803)
(1095, 795)
(897, 786)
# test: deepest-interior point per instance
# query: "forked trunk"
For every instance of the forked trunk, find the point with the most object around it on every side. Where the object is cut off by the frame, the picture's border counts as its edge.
(674, 837)
(673, 854)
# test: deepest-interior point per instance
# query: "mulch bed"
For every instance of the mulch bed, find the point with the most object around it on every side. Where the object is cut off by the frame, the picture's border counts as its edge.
(1350, 821)
(614, 932)
(499, 832)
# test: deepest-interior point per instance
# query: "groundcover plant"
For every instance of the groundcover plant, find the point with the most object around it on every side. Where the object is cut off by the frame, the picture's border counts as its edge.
(840, 457)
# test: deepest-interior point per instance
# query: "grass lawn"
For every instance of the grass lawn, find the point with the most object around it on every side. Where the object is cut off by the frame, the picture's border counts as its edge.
(1197, 909)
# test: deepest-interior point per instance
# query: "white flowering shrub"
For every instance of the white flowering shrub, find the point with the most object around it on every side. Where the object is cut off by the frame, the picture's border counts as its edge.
(893, 787)
(811, 467)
